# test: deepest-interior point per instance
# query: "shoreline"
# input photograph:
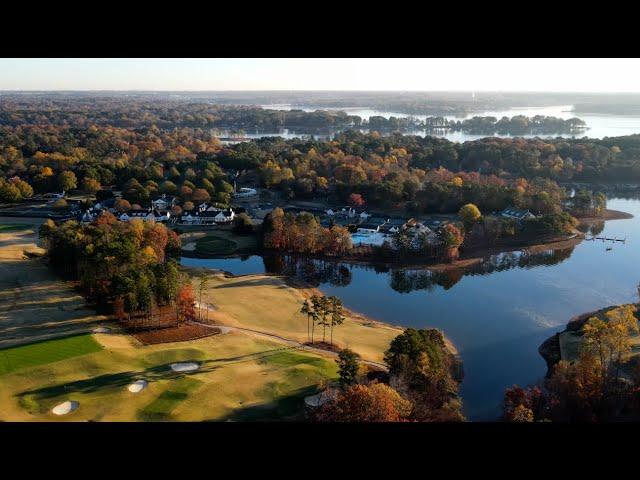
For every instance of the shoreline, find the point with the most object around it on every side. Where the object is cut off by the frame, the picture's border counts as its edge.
(607, 215)
(468, 258)
(550, 349)
(308, 290)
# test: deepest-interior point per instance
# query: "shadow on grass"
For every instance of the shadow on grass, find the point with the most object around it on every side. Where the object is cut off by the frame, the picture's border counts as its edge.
(290, 407)
(113, 381)
(253, 282)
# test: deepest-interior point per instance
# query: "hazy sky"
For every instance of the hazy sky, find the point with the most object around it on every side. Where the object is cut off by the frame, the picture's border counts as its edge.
(559, 75)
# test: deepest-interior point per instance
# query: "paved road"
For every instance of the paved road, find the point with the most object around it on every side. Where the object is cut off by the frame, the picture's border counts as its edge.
(289, 341)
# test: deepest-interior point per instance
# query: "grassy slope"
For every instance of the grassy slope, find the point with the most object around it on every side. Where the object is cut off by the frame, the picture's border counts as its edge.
(268, 304)
(220, 241)
(571, 342)
(212, 245)
(15, 227)
(43, 353)
(34, 303)
(240, 378)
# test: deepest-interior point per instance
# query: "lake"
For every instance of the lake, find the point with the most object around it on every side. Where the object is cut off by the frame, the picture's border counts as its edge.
(600, 125)
(497, 314)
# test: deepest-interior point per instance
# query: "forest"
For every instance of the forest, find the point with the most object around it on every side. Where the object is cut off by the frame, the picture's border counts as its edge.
(125, 268)
(52, 144)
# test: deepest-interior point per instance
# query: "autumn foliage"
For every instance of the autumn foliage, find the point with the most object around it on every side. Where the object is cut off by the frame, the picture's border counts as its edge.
(303, 233)
(366, 403)
(186, 303)
(123, 266)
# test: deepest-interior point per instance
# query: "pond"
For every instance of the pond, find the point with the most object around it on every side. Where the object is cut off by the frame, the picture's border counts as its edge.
(497, 313)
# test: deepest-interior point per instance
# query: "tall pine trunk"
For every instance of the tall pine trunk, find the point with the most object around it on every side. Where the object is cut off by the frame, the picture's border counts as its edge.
(324, 329)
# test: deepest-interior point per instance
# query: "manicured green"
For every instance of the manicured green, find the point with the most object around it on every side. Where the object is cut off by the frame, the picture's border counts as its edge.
(288, 359)
(15, 227)
(212, 245)
(49, 351)
(167, 401)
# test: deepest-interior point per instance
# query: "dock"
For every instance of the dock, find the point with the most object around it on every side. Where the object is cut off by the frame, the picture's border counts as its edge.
(607, 239)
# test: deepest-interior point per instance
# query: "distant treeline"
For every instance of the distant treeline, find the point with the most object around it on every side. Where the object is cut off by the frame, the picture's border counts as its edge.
(517, 125)
(124, 112)
(54, 143)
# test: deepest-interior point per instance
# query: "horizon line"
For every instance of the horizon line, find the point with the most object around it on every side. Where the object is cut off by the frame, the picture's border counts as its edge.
(597, 92)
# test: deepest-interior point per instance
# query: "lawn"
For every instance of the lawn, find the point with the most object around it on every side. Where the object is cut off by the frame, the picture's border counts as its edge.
(268, 304)
(43, 353)
(15, 227)
(240, 378)
(36, 304)
(213, 245)
(220, 241)
(162, 407)
(571, 343)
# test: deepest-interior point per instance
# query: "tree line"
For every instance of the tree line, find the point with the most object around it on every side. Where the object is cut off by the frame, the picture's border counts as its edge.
(127, 268)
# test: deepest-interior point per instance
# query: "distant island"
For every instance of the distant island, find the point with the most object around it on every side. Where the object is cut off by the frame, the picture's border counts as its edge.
(103, 110)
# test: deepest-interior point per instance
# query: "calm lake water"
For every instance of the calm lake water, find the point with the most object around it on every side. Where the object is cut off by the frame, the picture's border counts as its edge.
(600, 126)
(496, 314)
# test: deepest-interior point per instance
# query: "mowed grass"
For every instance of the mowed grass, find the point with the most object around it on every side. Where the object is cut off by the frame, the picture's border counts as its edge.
(220, 241)
(43, 353)
(268, 304)
(214, 245)
(15, 227)
(241, 378)
(572, 342)
(162, 407)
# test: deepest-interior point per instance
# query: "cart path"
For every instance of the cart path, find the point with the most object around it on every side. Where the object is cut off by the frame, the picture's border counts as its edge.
(280, 339)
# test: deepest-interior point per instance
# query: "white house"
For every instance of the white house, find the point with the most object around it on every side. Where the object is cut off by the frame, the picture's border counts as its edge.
(368, 228)
(188, 218)
(163, 203)
(89, 215)
(210, 216)
(225, 216)
(146, 215)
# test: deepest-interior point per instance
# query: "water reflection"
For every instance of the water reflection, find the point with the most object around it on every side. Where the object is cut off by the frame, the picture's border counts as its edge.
(497, 313)
(405, 280)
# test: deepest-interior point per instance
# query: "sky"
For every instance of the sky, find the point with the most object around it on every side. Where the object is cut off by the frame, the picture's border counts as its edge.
(404, 74)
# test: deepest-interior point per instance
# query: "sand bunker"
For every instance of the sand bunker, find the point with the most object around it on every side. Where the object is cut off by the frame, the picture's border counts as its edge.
(185, 367)
(65, 407)
(189, 247)
(101, 330)
(137, 386)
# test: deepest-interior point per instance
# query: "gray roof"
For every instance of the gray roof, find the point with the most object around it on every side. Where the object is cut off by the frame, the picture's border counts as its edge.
(515, 212)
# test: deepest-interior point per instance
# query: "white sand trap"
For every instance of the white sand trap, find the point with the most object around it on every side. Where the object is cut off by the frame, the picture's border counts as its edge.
(65, 407)
(101, 330)
(189, 247)
(312, 400)
(138, 386)
(185, 367)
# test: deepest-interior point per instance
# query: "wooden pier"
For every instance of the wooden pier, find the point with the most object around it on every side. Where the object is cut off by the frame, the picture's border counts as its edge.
(607, 239)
